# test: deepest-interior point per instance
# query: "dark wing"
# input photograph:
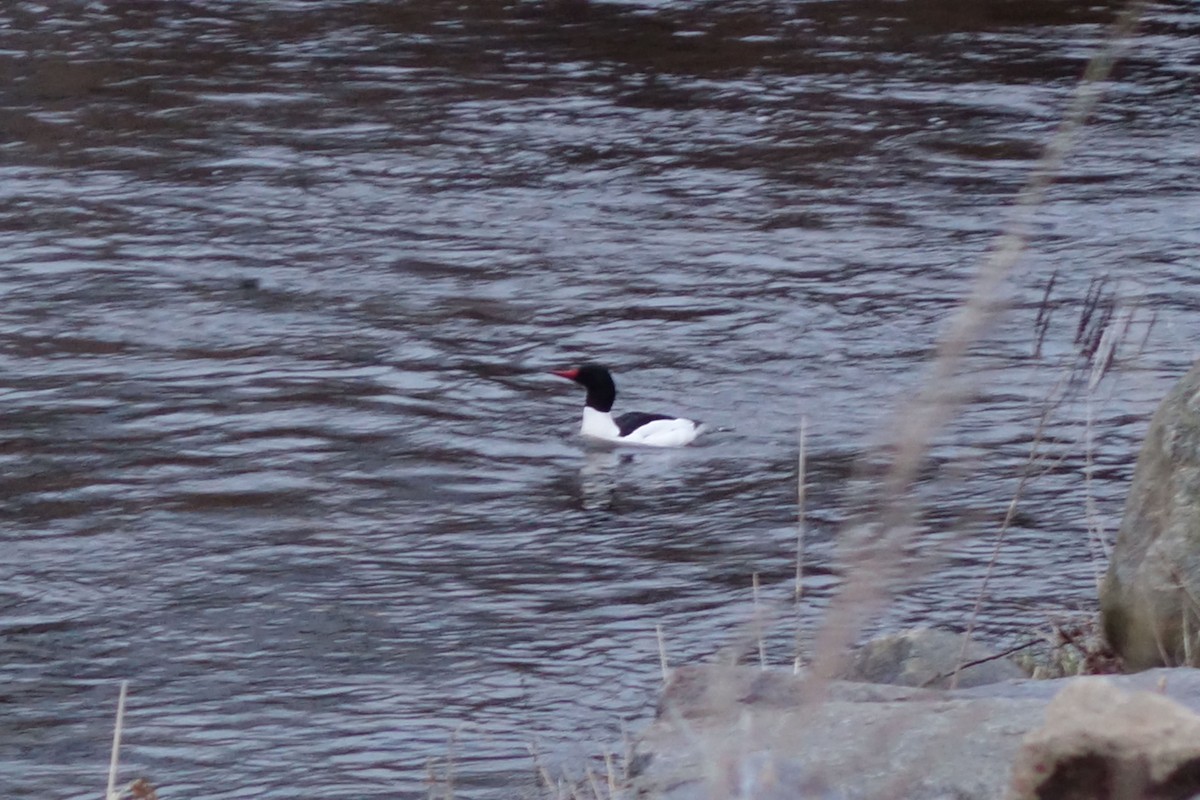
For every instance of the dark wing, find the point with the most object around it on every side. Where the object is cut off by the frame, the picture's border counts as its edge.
(628, 423)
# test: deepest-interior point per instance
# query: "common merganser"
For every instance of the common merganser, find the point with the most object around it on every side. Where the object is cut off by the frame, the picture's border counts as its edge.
(636, 427)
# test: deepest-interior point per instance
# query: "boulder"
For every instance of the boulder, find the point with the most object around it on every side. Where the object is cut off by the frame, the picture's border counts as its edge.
(740, 732)
(1150, 601)
(1100, 741)
(927, 657)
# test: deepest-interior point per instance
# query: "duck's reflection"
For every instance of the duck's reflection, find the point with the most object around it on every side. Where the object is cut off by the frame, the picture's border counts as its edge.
(606, 467)
(598, 476)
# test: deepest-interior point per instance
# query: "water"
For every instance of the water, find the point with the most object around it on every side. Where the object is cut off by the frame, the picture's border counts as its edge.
(282, 282)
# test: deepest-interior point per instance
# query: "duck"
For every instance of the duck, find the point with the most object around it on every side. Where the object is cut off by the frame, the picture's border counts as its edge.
(634, 427)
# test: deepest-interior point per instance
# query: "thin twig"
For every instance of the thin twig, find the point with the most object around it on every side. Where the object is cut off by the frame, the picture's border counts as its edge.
(111, 793)
(450, 762)
(662, 653)
(1091, 512)
(540, 769)
(798, 594)
(1041, 325)
(758, 624)
(1009, 516)
(595, 787)
(432, 780)
(1187, 636)
(993, 657)
(800, 489)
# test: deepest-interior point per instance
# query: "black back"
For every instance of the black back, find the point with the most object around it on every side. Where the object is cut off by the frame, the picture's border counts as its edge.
(628, 423)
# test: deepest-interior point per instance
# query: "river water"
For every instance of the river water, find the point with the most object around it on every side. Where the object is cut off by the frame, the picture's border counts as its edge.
(282, 281)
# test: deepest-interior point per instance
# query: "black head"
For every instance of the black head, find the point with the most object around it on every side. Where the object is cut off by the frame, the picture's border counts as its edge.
(601, 391)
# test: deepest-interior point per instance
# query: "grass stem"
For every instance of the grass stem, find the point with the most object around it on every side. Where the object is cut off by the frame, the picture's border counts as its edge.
(111, 793)
(800, 480)
(759, 624)
(662, 653)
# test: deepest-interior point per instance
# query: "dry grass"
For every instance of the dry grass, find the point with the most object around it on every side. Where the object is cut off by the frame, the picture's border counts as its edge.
(1070, 645)
(140, 789)
(870, 559)
(1102, 330)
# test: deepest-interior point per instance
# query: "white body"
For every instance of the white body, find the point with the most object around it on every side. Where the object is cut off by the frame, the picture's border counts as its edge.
(658, 433)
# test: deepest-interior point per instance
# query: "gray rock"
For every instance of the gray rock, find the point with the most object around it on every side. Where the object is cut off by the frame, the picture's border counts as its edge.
(927, 657)
(1149, 602)
(1101, 741)
(740, 732)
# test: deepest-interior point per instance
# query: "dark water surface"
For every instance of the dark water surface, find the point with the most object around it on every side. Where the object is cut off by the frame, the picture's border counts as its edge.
(281, 282)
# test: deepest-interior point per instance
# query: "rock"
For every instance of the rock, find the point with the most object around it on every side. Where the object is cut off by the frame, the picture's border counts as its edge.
(1149, 601)
(927, 657)
(740, 732)
(1100, 741)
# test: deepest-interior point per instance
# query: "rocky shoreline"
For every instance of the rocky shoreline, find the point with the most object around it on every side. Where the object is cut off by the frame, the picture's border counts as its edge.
(743, 732)
(907, 719)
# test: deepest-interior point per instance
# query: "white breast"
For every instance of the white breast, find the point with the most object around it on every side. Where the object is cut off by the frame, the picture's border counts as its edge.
(599, 425)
